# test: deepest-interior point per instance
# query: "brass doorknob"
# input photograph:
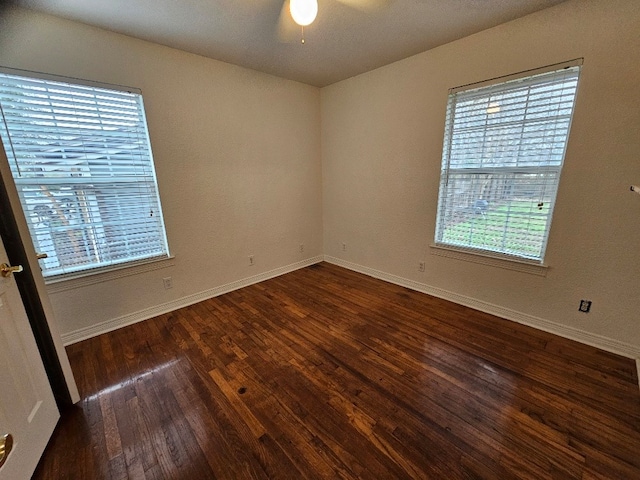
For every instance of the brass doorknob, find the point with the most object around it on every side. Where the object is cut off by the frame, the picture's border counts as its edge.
(7, 270)
(6, 444)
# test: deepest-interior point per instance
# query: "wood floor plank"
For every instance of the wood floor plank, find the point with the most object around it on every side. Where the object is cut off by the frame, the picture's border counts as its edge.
(325, 373)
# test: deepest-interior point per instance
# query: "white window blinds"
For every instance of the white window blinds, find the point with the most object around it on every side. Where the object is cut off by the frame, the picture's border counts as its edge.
(81, 160)
(503, 151)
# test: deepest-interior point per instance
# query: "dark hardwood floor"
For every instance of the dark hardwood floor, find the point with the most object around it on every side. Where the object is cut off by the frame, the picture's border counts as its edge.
(326, 373)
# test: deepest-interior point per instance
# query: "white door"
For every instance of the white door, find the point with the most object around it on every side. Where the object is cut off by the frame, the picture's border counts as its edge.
(28, 411)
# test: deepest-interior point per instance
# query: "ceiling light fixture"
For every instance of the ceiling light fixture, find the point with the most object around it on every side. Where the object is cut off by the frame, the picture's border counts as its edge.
(303, 11)
(493, 108)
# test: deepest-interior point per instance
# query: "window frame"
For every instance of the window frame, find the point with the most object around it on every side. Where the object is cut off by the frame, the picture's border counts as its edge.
(486, 255)
(133, 263)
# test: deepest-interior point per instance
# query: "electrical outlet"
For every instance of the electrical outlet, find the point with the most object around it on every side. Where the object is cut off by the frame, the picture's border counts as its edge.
(344, 247)
(585, 306)
(167, 282)
(421, 267)
(302, 248)
(250, 260)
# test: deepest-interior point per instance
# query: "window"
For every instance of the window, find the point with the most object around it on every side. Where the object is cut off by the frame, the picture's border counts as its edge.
(81, 160)
(504, 147)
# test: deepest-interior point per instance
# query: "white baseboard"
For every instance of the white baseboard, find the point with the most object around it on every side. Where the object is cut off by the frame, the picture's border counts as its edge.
(604, 343)
(598, 341)
(123, 321)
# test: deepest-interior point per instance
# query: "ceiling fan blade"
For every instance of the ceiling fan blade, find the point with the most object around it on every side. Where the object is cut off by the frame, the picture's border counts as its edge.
(288, 30)
(366, 5)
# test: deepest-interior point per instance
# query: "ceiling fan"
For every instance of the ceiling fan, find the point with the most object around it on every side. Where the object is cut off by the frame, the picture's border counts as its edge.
(304, 12)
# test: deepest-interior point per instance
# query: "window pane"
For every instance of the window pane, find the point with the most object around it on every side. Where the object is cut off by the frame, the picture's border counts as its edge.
(82, 163)
(506, 213)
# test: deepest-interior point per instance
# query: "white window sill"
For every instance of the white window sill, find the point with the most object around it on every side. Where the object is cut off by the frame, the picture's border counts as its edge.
(486, 258)
(83, 279)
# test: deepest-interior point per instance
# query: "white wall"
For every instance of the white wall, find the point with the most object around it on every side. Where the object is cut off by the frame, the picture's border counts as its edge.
(237, 156)
(382, 141)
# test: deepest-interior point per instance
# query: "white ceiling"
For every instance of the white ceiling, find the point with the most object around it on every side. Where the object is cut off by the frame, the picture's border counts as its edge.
(343, 41)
